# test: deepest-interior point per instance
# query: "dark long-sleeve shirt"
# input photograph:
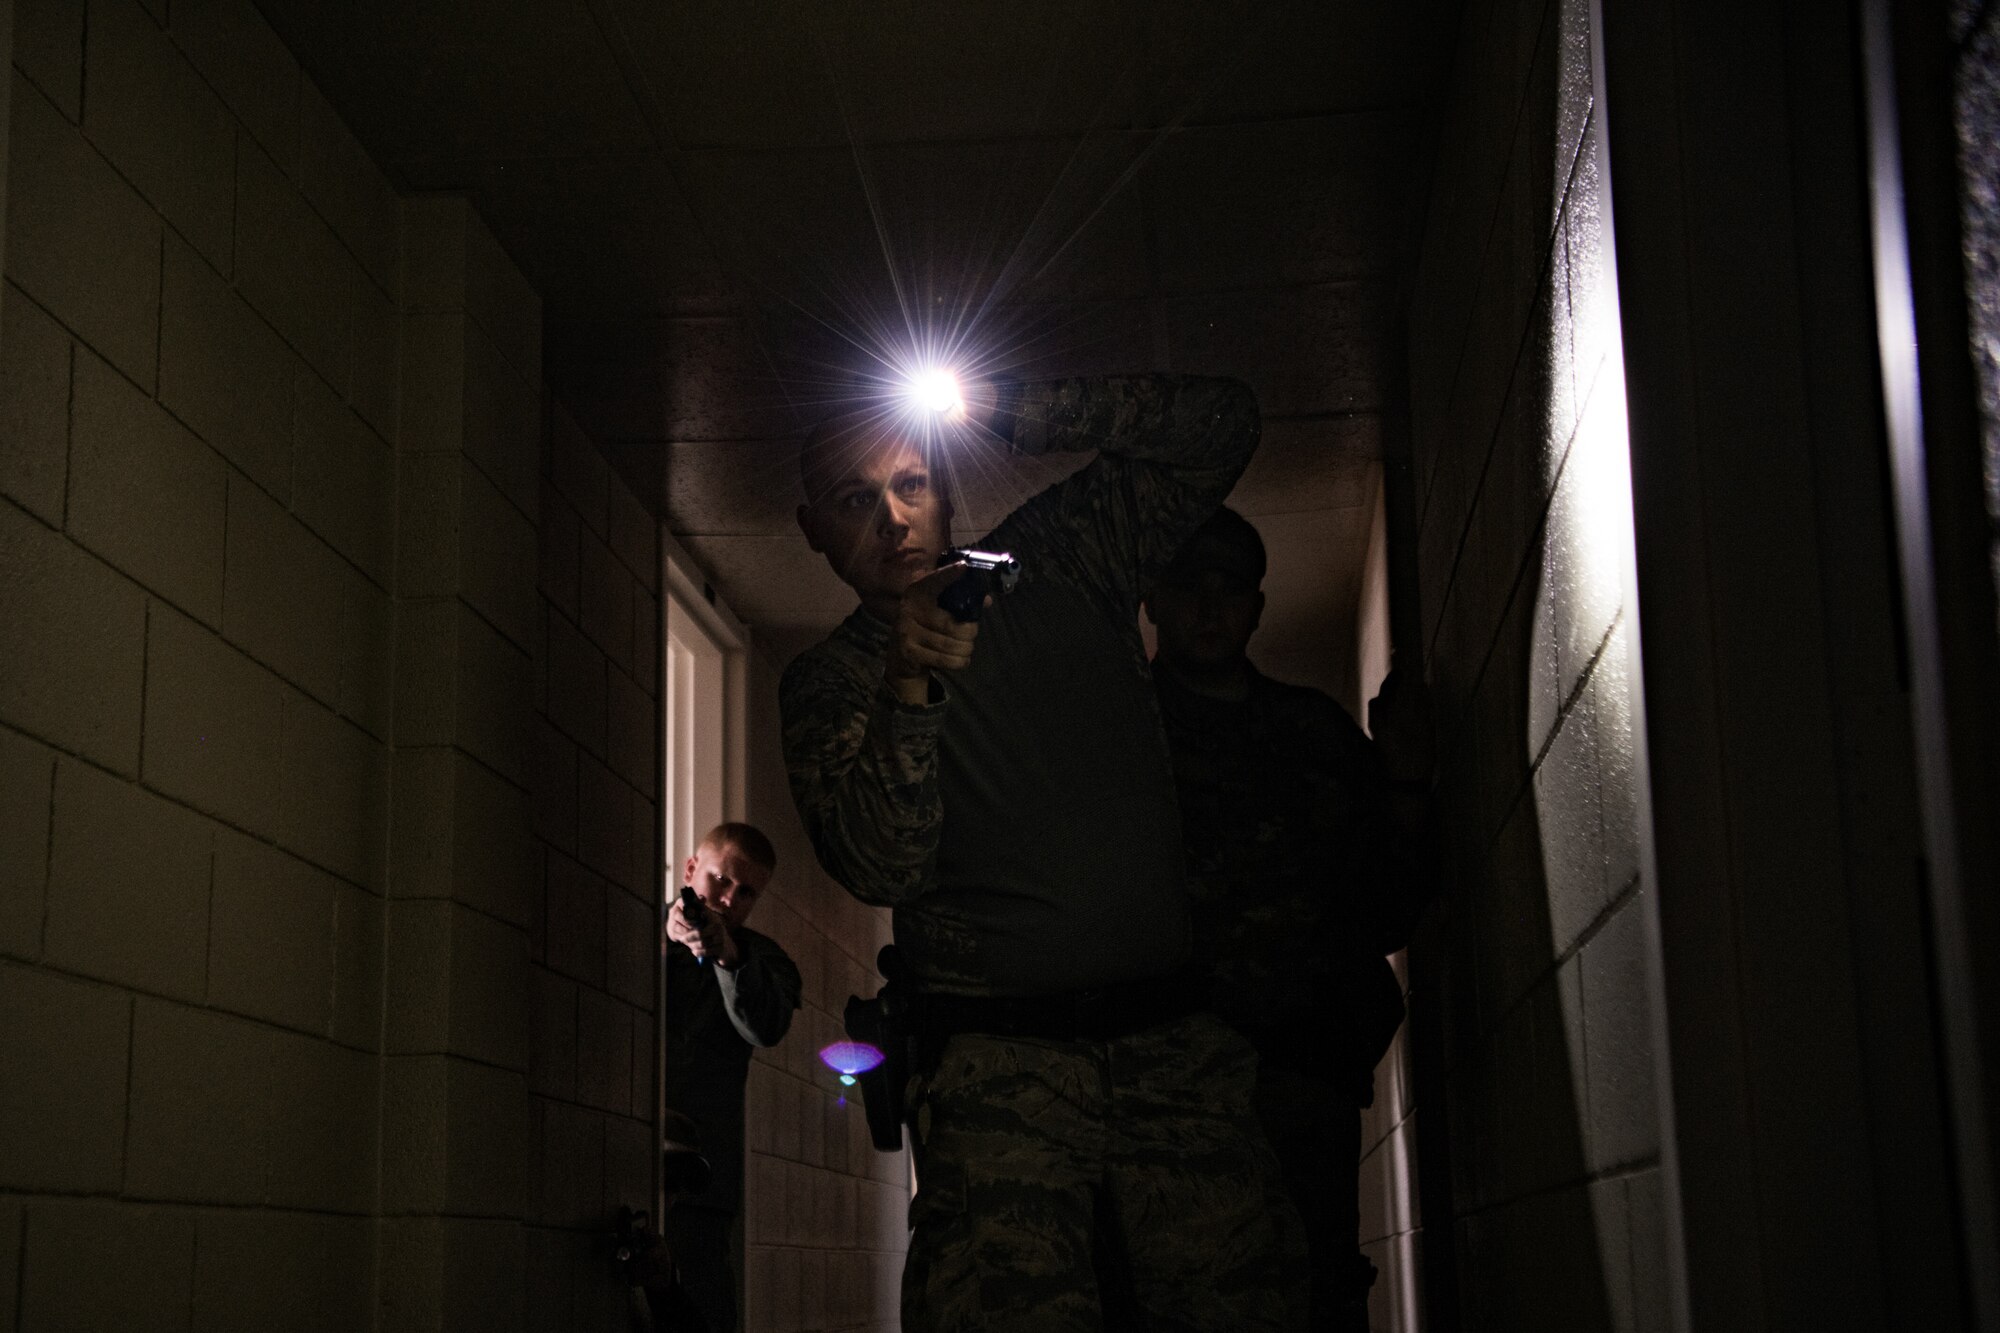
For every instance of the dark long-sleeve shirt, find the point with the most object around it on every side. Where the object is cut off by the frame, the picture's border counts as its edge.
(1023, 826)
(1302, 879)
(714, 1016)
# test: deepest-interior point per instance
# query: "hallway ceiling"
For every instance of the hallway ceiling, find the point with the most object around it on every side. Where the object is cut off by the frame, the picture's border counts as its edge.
(719, 199)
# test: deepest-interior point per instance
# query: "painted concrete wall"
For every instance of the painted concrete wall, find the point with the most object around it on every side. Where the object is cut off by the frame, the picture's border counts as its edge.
(200, 403)
(1532, 971)
(311, 1016)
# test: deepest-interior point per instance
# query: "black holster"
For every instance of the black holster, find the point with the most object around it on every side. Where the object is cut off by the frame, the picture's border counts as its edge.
(884, 1022)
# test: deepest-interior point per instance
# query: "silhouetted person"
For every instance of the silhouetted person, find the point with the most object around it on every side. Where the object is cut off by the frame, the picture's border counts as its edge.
(1013, 803)
(1302, 844)
(728, 989)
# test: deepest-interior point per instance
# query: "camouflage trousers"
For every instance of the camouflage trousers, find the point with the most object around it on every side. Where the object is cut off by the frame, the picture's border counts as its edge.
(1025, 1149)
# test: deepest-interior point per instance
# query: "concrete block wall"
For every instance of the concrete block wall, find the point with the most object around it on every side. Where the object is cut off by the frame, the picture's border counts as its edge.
(325, 986)
(197, 421)
(825, 1216)
(1535, 966)
(457, 1122)
(592, 1074)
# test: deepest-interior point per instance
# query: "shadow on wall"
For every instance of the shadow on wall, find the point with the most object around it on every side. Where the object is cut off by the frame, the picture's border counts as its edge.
(1533, 1077)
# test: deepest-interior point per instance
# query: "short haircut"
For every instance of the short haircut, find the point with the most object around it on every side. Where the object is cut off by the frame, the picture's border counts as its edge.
(745, 838)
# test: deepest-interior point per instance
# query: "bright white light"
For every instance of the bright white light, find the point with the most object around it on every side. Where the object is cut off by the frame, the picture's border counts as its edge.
(937, 391)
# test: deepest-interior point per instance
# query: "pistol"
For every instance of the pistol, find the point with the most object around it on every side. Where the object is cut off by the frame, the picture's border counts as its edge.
(695, 912)
(986, 572)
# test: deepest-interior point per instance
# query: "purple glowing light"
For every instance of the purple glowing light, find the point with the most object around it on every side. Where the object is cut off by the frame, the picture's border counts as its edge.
(850, 1058)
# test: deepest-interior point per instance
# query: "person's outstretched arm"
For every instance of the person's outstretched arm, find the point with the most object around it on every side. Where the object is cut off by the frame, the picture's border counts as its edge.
(1169, 448)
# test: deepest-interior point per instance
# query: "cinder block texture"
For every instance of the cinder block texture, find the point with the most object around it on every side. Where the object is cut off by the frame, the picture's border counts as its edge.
(34, 406)
(458, 984)
(144, 493)
(243, 60)
(129, 880)
(552, 1036)
(577, 684)
(160, 124)
(27, 778)
(452, 262)
(322, 1145)
(224, 371)
(293, 269)
(62, 1105)
(336, 784)
(271, 939)
(460, 682)
(297, 606)
(461, 536)
(11, 1220)
(70, 670)
(357, 968)
(570, 1166)
(282, 1270)
(462, 832)
(1624, 1116)
(460, 394)
(48, 49)
(346, 480)
(603, 1051)
(201, 1098)
(79, 239)
(224, 1110)
(635, 535)
(579, 471)
(606, 601)
(503, 419)
(214, 725)
(455, 1138)
(1523, 497)
(340, 181)
(606, 839)
(74, 1246)
(576, 917)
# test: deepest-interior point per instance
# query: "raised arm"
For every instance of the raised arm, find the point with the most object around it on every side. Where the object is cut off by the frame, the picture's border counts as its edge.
(1169, 447)
(863, 769)
(761, 993)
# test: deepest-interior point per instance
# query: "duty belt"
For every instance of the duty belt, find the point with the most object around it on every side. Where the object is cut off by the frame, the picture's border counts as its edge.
(1103, 1013)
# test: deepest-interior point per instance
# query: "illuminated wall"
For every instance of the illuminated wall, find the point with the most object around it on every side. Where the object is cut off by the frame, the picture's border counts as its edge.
(1540, 1138)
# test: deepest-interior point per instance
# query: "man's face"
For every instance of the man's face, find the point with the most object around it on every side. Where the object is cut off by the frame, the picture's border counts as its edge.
(881, 524)
(727, 882)
(1206, 621)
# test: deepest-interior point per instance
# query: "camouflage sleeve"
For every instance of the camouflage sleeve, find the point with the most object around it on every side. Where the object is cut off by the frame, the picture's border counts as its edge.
(762, 992)
(1169, 449)
(863, 769)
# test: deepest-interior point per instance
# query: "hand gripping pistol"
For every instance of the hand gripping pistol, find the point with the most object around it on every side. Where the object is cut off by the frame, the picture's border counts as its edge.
(986, 572)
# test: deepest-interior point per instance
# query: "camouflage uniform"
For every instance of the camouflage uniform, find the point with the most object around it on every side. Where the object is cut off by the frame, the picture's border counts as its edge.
(1302, 882)
(714, 1016)
(1022, 825)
